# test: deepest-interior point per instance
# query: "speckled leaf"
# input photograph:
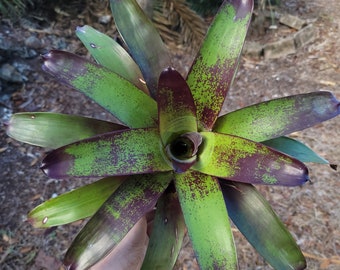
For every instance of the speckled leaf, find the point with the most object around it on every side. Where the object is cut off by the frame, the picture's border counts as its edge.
(256, 220)
(295, 149)
(169, 226)
(215, 66)
(279, 117)
(132, 200)
(242, 160)
(54, 130)
(207, 221)
(142, 39)
(108, 53)
(134, 151)
(176, 108)
(74, 205)
(124, 100)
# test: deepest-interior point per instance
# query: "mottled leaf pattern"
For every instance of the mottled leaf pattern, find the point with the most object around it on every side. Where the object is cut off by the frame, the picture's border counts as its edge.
(111, 91)
(133, 151)
(207, 220)
(278, 117)
(216, 63)
(238, 159)
(133, 199)
(176, 108)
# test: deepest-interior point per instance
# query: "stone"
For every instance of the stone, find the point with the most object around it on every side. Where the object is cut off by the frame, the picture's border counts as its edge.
(279, 48)
(33, 42)
(253, 50)
(10, 74)
(292, 21)
(306, 35)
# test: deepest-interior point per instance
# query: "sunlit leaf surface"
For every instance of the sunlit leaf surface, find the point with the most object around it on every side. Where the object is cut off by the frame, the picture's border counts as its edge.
(124, 100)
(238, 159)
(205, 215)
(278, 117)
(74, 205)
(108, 53)
(216, 63)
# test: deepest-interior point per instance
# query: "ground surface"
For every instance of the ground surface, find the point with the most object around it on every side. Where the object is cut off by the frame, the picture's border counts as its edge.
(311, 212)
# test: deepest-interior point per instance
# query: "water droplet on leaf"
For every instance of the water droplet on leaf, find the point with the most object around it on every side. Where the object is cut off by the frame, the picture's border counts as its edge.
(44, 221)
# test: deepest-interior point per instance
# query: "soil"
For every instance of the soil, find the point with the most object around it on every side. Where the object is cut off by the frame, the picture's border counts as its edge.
(310, 212)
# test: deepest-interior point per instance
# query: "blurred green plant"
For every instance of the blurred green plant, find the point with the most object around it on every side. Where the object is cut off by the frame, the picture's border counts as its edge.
(13, 7)
(171, 157)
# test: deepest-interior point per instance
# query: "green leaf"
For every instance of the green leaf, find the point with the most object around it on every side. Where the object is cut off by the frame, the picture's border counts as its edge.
(142, 39)
(242, 160)
(74, 205)
(168, 229)
(54, 130)
(278, 117)
(205, 215)
(108, 53)
(215, 66)
(133, 151)
(295, 149)
(129, 104)
(256, 220)
(135, 197)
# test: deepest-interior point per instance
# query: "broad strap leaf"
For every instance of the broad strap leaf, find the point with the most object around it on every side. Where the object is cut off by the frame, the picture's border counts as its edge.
(129, 203)
(124, 100)
(108, 53)
(177, 120)
(133, 151)
(279, 117)
(256, 220)
(176, 108)
(54, 130)
(295, 149)
(168, 229)
(74, 205)
(215, 66)
(242, 160)
(207, 221)
(142, 39)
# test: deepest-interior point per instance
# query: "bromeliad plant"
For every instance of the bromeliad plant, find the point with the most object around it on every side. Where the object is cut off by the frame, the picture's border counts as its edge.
(171, 151)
